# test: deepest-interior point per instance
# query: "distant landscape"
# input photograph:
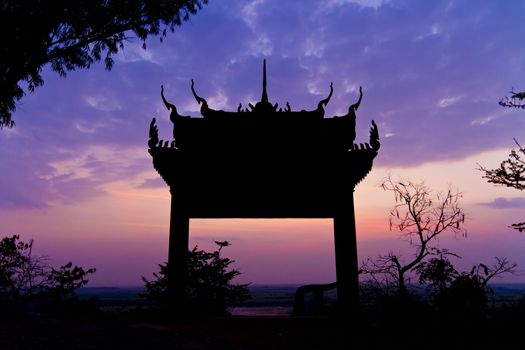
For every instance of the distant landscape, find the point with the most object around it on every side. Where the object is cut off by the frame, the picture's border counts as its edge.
(264, 323)
(267, 300)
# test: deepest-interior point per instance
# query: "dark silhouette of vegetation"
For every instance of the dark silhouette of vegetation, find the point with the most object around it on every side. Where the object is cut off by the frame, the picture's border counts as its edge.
(209, 283)
(437, 273)
(465, 291)
(516, 100)
(21, 274)
(420, 218)
(71, 35)
(28, 280)
(511, 173)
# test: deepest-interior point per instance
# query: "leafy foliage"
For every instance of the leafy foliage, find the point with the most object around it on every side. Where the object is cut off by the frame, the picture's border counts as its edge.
(465, 291)
(25, 278)
(70, 35)
(209, 282)
(63, 282)
(437, 273)
(514, 101)
(511, 173)
(21, 274)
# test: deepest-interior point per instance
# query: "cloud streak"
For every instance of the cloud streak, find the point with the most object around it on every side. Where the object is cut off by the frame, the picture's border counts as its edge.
(506, 203)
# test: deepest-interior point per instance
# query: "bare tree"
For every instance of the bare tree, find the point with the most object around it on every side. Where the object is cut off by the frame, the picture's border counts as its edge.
(500, 267)
(511, 173)
(419, 217)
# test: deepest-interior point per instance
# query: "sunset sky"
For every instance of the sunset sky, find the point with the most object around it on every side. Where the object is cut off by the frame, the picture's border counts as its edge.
(77, 178)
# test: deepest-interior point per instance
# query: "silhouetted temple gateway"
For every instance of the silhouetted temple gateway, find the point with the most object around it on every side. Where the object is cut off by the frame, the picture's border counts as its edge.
(264, 162)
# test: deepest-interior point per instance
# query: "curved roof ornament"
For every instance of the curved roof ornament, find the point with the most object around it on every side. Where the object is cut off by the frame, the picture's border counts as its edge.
(374, 137)
(168, 105)
(355, 106)
(323, 103)
(200, 100)
(171, 107)
(264, 107)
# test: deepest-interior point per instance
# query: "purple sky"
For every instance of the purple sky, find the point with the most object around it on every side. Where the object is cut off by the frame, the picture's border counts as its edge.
(76, 175)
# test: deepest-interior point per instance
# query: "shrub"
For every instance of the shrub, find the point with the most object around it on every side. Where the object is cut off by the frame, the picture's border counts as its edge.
(209, 283)
(26, 280)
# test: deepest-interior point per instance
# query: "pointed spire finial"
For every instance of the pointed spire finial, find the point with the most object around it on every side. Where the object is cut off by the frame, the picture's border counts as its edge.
(264, 97)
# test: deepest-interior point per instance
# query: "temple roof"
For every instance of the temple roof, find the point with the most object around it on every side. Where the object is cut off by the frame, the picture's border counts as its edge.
(265, 128)
(263, 161)
(261, 108)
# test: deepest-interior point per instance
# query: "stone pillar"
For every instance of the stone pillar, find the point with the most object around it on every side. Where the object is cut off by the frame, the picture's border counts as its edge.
(178, 252)
(346, 263)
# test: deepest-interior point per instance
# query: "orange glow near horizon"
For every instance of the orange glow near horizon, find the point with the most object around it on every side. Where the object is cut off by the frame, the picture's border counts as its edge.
(126, 229)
